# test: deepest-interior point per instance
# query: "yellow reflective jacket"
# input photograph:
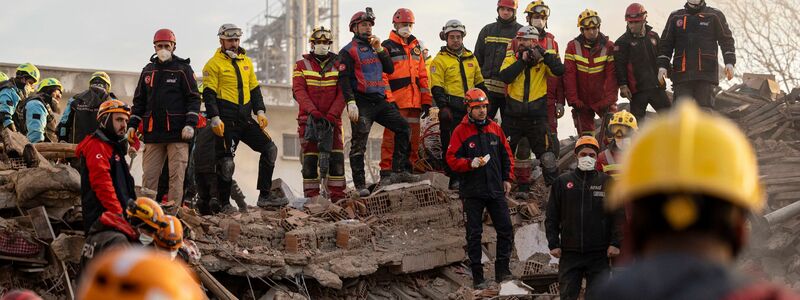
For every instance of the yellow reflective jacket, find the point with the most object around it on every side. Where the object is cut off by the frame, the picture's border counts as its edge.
(220, 75)
(533, 78)
(454, 75)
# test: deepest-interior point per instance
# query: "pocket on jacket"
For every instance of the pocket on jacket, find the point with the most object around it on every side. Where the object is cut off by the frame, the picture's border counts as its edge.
(708, 61)
(175, 121)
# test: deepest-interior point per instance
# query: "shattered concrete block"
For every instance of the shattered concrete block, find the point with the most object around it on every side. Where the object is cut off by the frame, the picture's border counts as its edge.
(351, 234)
(422, 262)
(301, 239)
(326, 278)
(780, 240)
(437, 180)
(68, 248)
(230, 230)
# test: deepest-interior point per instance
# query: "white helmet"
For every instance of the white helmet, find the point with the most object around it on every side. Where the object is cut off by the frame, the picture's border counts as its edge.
(452, 25)
(229, 31)
(528, 32)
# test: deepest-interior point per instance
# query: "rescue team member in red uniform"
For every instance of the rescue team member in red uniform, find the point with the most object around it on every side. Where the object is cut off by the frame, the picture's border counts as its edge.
(480, 153)
(407, 87)
(316, 90)
(622, 127)
(690, 40)
(106, 182)
(635, 55)
(589, 80)
(490, 50)
(363, 62)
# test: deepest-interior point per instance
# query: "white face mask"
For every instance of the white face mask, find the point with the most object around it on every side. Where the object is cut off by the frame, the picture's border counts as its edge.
(231, 54)
(586, 163)
(404, 31)
(164, 55)
(538, 23)
(623, 143)
(321, 49)
(145, 239)
(173, 254)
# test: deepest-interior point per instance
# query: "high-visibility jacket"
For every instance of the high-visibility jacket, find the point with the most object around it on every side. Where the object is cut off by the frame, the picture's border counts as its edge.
(315, 87)
(555, 84)
(452, 76)
(527, 89)
(608, 161)
(490, 50)
(233, 84)
(590, 80)
(408, 85)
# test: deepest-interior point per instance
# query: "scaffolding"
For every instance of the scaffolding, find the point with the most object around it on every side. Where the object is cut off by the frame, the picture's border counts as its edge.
(278, 36)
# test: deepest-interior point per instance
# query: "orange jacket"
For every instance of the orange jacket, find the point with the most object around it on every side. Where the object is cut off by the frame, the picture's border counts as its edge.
(408, 86)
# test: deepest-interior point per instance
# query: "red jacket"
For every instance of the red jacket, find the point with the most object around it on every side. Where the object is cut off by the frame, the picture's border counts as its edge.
(555, 84)
(408, 84)
(315, 87)
(470, 140)
(589, 80)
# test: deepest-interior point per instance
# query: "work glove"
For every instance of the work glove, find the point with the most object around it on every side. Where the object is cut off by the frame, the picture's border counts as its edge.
(425, 111)
(375, 42)
(625, 92)
(579, 105)
(480, 161)
(262, 119)
(662, 76)
(217, 126)
(131, 135)
(559, 110)
(187, 133)
(729, 70)
(352, 111)
(317, 114)
(118, 223)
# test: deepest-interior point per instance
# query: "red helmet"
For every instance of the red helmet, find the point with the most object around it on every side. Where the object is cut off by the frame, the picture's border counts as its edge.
(164, 35)
(512, 4)
(403, 15)
(361, 17)
(635, 13)
(21, 295)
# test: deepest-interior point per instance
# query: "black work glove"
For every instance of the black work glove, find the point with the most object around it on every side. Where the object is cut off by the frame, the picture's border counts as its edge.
(425, 109)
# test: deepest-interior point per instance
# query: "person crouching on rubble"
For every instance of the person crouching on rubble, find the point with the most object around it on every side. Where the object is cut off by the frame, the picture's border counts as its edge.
(106, 182)
(480, 153)
(147, 217)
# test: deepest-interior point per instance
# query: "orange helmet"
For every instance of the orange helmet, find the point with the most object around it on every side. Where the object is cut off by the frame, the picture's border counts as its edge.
(113, 106)
(147, 211)
(587, 141)
(170, 237)
(476, 97)
(138, 273)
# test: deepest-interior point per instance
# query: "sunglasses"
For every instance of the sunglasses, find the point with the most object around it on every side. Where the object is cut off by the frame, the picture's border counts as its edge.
(232, 33)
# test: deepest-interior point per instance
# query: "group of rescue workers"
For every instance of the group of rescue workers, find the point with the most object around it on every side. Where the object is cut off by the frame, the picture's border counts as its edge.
(681, 206)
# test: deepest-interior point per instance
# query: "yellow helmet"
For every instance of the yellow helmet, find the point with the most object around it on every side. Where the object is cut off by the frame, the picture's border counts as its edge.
(689, 151)
(148, 211)
(319, 34)
(624, 118)
(49, 82)
(103, 76)
(538, 7)
(3, 77)
(170, 237)
(138, 273)
(589, 19)
(30, 70)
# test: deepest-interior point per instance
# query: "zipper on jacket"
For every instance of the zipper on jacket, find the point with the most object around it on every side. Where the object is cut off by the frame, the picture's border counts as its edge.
(583, 190)
(463, 76)
(239, 84)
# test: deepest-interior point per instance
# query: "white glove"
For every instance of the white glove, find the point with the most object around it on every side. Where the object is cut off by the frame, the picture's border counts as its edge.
(662, 76)
(352, 111)
(480, 161)
(187, 133)
(729, 71)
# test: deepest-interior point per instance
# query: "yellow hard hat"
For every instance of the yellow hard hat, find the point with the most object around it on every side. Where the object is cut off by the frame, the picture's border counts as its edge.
(30, 70)
(103, 76)
(538, 7)
(624, 118)
(49, 82)
(138, 273)
(589, 19)
(148, 211)
(3, 77)
(690, 152)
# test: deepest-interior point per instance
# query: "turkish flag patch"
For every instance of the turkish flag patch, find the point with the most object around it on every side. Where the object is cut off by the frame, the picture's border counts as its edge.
(472, 145)
(570, 185)
(147, 79)
(342, 67)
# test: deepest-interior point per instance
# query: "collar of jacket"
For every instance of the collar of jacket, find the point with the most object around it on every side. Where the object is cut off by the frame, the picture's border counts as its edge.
(694, 10)
(319, 60)
(600, 41)
(360, 40)
(588, 174)
(468, 121)
(175, 58)
(542, 33)
(395, 37)
(508, 22)
(239, 51)
(464, 55)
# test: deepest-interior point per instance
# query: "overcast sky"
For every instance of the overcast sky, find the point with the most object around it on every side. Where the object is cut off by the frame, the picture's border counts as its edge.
(118, 35)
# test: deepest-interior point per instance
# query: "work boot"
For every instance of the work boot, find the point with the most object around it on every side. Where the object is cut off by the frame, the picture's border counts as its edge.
(502, 272)
(362, 191)
(266, 200)
(404, 176)
(478, 282)
(387, 180)
(243, 208)
(453, 186)
(228, 209)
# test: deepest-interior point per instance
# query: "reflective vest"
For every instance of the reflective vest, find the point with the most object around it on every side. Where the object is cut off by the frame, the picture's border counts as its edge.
(455, 74)
(367, 68)
(408, 85)
(612, 167)
(531, 84)
(231, 79)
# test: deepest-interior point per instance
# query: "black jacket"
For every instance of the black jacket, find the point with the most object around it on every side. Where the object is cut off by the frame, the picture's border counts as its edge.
(693, 34)
(166, 100)
(490, 50)
(636, 60)
(80, 118)
(576, 218)
(470, 140)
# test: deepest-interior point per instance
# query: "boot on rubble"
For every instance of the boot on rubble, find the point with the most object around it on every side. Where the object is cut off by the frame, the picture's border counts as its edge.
(404, 176)
(478, 281)
(267, 200)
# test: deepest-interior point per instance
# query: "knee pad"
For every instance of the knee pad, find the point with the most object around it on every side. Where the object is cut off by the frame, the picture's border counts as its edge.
(227, 167)
(523, 151)
(272, 153)
(337, 164)
(549, 161)
(309, 170)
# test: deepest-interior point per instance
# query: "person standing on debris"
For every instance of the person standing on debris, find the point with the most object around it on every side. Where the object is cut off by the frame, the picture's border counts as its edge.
(78, 120)
(490, 50)
(480, 152)
(526, 72)
(106, 182)
(622, 127)
(455, 70)
(692, 34)
(407, 87)
(690, 210)
(166, 102)
(232, 95)
(36, 115)
(579, 231)
(14, 90)
(635, 56)
(589, 81)
(363, 62)
(316, 90)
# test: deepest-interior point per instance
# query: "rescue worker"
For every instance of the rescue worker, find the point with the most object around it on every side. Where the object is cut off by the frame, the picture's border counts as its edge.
(363, 62)
(636, 59)
(589, 81)
(525, 117)
(455, 70)
(579, 231)
(36, 116)
(138, 273)
(692, 35)
(232, 95)
(622, 126)
(490, 50)
(166, 103)
(316, 90)
(3, 77)
(480, 152)
(537, 13)
(78, 120)
(407, 87)
(169, 238)
(14, 90)
(106, 182)
(690, 210)
(147, 217)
